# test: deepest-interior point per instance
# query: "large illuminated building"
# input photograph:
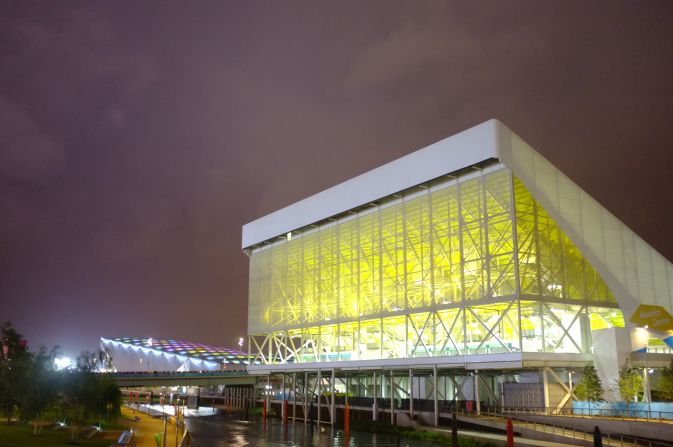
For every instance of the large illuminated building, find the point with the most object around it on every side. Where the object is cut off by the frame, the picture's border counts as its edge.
(472, 254)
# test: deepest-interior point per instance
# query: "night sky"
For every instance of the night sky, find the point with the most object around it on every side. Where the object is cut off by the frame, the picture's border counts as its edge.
(136, 138)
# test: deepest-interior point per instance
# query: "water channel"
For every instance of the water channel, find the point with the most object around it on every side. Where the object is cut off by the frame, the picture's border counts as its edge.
(221, 430)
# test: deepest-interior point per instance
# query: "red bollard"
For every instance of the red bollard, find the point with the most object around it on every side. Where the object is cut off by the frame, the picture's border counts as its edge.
(510, 433)
(347, 419)
(264, 412)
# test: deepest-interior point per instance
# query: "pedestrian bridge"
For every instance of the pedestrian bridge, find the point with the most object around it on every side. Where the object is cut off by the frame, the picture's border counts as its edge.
(187, 378)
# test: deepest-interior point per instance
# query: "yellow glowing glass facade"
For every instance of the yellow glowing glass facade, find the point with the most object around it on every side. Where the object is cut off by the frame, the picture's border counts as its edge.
(465, 265)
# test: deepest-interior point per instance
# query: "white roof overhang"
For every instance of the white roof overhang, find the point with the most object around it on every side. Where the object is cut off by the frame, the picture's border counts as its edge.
(634, 271)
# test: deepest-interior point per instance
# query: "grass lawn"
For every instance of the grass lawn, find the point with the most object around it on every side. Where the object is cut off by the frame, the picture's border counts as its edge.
(21, 435)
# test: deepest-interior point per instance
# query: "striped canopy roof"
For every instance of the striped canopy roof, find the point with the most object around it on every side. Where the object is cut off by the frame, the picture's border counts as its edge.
(188, 349)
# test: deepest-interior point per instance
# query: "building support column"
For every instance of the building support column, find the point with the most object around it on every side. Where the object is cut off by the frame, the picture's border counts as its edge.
(333, 401)
(305, 397)
(294, 396)
(411, 393)
(375, 406)
(319, 387)
(267, 393)
(477, 398)
(392, 398)
(545, 389)
(434, 392)
(283, 416)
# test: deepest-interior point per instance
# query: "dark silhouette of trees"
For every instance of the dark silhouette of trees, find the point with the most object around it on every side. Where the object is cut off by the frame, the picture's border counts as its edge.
(15, 364)
(31, 387)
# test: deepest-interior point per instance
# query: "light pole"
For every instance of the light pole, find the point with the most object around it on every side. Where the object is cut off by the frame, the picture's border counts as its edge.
(149, 343)
(647, 394)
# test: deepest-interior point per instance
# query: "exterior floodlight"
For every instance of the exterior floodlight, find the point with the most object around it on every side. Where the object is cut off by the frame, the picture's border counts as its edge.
(240, 342)
(61, 363)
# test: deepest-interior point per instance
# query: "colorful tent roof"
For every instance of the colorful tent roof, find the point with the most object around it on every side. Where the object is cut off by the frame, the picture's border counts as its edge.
(188, 349)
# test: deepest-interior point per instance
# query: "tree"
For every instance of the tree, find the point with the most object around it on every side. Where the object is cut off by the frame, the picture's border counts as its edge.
(14, 369)
(30, 386)
(41, 390)
(630, 383)
(666, 383)
(590, 387)
(88, 394)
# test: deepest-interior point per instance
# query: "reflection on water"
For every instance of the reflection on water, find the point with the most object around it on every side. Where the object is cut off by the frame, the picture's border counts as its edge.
(226, 431)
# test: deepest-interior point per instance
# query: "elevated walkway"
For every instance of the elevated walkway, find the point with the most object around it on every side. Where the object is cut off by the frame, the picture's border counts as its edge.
(188, 378)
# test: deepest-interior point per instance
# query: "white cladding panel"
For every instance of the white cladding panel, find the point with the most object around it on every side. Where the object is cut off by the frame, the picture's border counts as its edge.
(634, 271)
(464, 149)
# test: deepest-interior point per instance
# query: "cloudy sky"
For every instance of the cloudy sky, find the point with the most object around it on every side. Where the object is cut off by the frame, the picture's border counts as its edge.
(137, 137)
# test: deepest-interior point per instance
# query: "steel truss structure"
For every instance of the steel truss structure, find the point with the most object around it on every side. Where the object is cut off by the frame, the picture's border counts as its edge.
(466, 264)
(317, 395)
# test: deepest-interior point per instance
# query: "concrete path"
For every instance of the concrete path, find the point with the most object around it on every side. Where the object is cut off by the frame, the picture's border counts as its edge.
(503, 438)
(146, 427)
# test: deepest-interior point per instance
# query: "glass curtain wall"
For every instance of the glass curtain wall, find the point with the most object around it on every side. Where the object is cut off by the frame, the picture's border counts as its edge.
(471, 265)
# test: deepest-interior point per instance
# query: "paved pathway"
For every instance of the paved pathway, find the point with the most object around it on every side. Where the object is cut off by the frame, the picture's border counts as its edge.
(146, 427)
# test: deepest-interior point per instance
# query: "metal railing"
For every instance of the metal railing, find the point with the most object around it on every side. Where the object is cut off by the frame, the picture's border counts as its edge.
(170, 374)
(630, 414)
(613, 439)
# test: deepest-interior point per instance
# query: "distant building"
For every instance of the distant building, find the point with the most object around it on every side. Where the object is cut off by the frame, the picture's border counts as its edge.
(474, 254)
(154, 354)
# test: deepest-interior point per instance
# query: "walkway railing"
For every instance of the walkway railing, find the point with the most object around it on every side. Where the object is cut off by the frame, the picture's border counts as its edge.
(604, 413)
(171, 374)
(519, 420)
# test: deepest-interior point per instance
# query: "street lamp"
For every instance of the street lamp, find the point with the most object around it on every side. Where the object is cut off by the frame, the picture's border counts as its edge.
(149, 343)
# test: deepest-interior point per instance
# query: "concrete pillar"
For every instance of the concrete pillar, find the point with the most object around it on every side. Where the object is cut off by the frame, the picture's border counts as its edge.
(411, 393)
(267, 396)
(477, 398)
(392, 398)
(434, 392)
(283, 416)
(294, 396)
(545, 388)
(333, 401)
(305, 397)
(319, 386)
(375, 406)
